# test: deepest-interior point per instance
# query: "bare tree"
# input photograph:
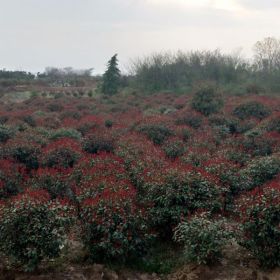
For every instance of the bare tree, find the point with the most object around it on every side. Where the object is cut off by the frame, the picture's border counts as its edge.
(267, 55)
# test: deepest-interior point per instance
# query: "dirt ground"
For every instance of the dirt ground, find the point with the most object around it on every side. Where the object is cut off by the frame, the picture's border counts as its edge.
(236, 264)
(189, 272)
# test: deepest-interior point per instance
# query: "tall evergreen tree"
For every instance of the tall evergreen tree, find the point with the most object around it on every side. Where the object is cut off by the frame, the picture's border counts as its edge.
(112, 77)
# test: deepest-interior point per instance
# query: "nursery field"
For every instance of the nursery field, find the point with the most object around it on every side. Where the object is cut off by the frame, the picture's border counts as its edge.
(153, 183)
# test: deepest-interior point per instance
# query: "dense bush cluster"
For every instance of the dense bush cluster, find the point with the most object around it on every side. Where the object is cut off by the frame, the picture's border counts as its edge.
(127, 171)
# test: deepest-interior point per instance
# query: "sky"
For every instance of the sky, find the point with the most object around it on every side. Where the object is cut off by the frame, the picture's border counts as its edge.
(86, 33)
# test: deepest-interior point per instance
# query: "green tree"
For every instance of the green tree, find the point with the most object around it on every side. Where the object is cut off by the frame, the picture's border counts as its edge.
(112, 77)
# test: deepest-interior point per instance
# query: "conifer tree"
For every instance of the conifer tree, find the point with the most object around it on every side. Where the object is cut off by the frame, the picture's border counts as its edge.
(112, 77)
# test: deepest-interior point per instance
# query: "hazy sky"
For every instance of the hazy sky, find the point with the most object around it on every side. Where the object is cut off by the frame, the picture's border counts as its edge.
(86, 33)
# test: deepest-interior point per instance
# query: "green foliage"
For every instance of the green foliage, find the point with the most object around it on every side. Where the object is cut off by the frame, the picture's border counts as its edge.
(260, 225)
(274, 124)
(61, 153)
(259, 171)
(112, 77)
(174, 148)
(251, 109)
(65, 132)
(191, 119)
(203, 238)
(158, 133)
(26, 153)
(207, 101)
(108, 123)
(220, 121)
(186, 134)
(32, 229)
(98, 142)
(29, 120)
(257, 145)
(6, 132)
(180, 195)
(11, 178)
(56, 182)
(113, 229)
(55, 107)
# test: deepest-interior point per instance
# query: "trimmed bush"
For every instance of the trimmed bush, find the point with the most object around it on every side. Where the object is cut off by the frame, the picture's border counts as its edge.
(66, 133)
(207, 101)
(108, 123)
(251, 109)
(6, 132)
(274, 124)
(56, 181)
(176, 193)
(12, 177)
(258, 145)
(174, 148)
(62, 153)
(260, 223)
(24, 152)
(113, 227)
(222, 122)
(192, 119)
(157, 133)
(32, 228)
(203, 238)
(259, 171)
(98, 142)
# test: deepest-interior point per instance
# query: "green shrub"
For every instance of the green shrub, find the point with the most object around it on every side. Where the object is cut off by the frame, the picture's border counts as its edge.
(260, 224)
(6, 132)
(3, 119)
(259, 171)
(186, 134)
(203, 238)
(108, 123)
(246, 125)
(12, 177)
(56, 181)
(26, 153)
(32, 228)
(61, 153)
(66, 133)
(223, 122)
(29, 120)
(257, 145)
(181, 193)
(55, 107)
(158, 133)
(191, 119)
(113, 228)
(274, 124)
(251, 109)
(174, 148)
(207, 101)
(98, 142)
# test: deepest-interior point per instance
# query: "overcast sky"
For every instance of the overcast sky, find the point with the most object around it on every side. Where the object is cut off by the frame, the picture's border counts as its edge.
(86, 33)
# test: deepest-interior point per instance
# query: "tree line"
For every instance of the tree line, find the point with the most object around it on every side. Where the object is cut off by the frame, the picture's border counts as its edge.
(168, 71)
(173, 71)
